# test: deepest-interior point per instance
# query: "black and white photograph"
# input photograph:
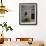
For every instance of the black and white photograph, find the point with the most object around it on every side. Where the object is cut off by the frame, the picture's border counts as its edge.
(28, 13)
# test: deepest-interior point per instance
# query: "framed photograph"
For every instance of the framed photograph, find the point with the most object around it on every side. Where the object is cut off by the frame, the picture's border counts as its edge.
(28, 13)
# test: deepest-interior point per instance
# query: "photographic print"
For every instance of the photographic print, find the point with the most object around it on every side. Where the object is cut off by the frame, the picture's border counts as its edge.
(28, 13)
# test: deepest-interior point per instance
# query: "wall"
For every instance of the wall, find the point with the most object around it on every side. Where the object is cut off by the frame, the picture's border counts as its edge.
(38, 32)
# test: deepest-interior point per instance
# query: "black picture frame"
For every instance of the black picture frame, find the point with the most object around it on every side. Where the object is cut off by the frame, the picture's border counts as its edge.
(20, 13)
